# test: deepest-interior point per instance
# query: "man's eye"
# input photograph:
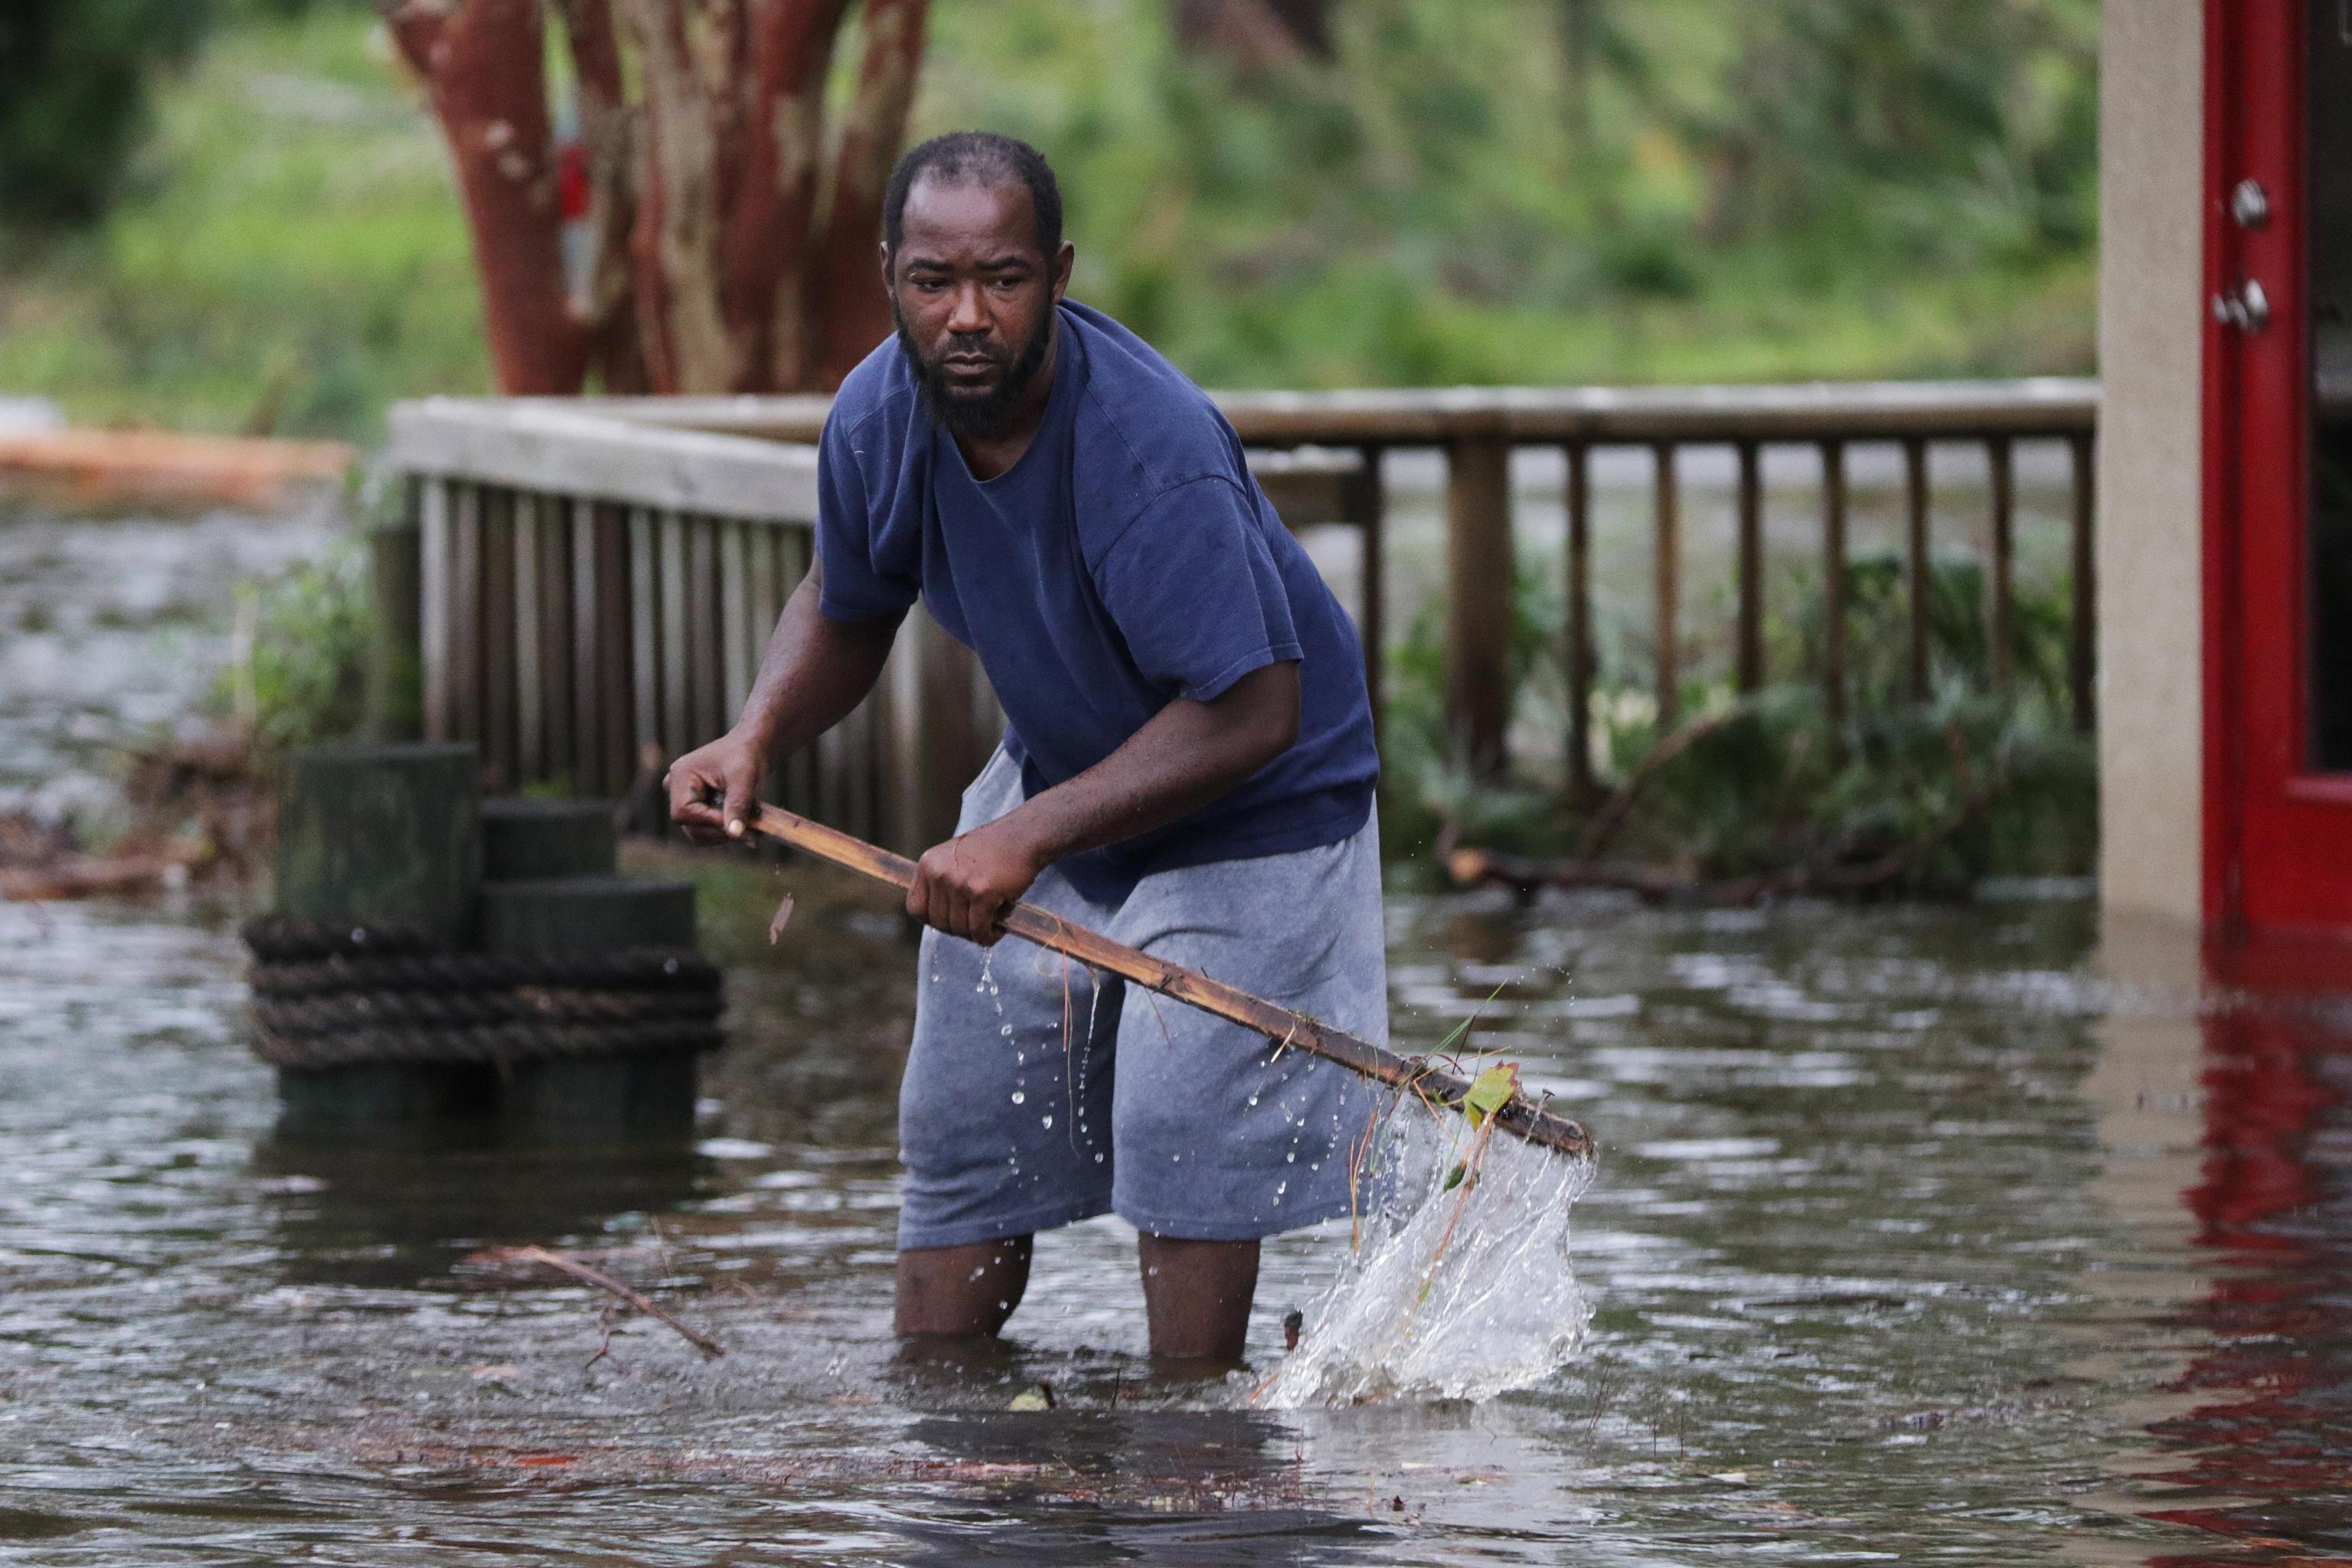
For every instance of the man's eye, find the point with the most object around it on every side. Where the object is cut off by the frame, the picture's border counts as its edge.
(1007, 285)
(930, 285)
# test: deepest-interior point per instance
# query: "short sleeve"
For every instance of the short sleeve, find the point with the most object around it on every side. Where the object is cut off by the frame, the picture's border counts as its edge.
(855, 590)
(1194, 591)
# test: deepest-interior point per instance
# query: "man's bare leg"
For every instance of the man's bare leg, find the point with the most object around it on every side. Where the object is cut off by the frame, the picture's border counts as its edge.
(1196, 1296)
(964, 1293)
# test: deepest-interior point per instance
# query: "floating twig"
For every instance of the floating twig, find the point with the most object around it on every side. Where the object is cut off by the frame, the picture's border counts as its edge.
(604, 1281)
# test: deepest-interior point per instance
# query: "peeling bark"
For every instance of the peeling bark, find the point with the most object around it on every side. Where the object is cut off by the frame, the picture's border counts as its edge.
(680, 213)
(852, 313)
(767, 262)
(608, 132)
(714, 269)
(480, 62)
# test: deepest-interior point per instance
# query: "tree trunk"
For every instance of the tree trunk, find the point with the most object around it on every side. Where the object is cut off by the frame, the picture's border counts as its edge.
(767, 267)
(481, 60)
(713, 269)
(608, 134)
(854, 313)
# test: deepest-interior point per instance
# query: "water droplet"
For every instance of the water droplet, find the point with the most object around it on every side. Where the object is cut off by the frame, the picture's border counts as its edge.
(1005, 1028)
(1291, 1158)
(1098, 1159)
(1049, 1122)
(1019, 1098)
(1253, 1100)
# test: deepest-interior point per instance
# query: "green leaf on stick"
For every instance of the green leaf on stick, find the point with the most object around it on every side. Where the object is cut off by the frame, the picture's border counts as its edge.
(1490, 1091)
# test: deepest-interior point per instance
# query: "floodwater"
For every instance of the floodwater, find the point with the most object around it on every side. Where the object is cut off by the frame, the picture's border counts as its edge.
(1916, 1235)
(1970, 1234)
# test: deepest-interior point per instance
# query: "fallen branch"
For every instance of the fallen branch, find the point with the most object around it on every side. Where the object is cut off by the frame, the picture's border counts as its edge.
(1619, 805)
(602, 1282)
(1827, 872)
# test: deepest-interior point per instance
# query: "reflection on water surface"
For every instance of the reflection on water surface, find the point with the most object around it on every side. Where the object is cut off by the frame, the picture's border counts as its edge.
(1919, 1232)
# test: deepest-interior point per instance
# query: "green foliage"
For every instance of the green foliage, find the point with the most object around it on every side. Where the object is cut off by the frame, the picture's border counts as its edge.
(301, 681)
(1766, 784)
(1549, 190)
(292, 226)
(1512, 191)
(73, 98)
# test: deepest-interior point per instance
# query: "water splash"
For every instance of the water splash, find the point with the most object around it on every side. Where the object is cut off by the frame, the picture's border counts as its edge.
(1448, 1293)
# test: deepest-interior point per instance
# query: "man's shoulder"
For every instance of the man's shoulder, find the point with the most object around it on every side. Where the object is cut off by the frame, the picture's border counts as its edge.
(879, 395)
(1145, 428)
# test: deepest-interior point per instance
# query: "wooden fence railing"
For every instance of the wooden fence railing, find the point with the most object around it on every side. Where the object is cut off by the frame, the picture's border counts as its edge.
(599, 576)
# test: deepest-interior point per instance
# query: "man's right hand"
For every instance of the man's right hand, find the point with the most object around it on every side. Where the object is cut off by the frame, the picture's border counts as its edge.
(712, 788)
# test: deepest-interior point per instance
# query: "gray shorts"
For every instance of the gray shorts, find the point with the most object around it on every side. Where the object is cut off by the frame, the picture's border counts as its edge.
(1040, 1092)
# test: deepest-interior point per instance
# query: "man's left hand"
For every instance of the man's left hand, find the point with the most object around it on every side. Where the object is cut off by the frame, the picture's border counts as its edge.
(962, 886)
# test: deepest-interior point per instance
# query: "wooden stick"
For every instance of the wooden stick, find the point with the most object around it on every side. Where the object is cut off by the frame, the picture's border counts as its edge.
(604, 1281)
(1520, 1115)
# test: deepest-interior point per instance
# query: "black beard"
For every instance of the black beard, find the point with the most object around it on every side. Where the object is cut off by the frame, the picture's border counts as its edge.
(986, 414)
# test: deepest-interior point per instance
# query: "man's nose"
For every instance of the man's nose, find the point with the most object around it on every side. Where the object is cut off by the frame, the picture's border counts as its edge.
(968, 312)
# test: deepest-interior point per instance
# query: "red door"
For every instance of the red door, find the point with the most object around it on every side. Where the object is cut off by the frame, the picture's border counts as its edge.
(2278, 467)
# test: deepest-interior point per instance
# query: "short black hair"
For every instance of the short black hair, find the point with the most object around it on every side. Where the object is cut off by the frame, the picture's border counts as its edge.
(976, 158)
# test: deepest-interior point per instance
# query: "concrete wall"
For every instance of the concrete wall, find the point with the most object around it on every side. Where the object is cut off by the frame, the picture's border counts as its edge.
(2151, 308)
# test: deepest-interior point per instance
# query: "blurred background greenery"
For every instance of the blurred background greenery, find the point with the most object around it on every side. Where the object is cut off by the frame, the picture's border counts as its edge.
(236, 214)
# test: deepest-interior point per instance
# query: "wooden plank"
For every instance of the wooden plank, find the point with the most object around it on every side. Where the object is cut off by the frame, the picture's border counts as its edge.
(1552, 415)
(701, 632)
(2083, 645)
(573, 446)
(433, 627)
(554, 528)
(1833, 590)
(676, 731)
(531, 753)
(1479, 600)
(499, 758)
(618, 726)
(2003, 629)
(1366, 507)
(644, 658)
(1579, 620)
(588, 633)
(737, 657)
(1668, 566)
(1751, 567)
(1922, 565)
(466, 616)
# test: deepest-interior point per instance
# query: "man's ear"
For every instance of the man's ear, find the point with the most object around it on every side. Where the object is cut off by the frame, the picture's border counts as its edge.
(885, 248)
(1063, 261)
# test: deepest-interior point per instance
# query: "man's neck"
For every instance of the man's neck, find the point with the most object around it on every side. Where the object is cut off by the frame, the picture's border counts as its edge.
(989, 456)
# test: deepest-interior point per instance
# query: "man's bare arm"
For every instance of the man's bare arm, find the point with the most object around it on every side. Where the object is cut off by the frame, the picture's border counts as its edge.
(814, 672)
(1186, 756)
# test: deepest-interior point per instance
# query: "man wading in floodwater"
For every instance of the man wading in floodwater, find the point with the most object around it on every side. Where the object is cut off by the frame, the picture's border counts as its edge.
(1187, 766)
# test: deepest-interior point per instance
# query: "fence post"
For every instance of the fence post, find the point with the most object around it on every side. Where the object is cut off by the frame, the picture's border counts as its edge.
(395, 597)
(1669, 588)
(1479, 605)
(1915, 514)
(1833, 590)
(1368, 506)
(2004, 563)
(1579, 621)
(1751, 568)
(2083, 653)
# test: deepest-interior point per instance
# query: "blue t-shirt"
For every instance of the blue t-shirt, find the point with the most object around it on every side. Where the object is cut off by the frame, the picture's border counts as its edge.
(1128, 559)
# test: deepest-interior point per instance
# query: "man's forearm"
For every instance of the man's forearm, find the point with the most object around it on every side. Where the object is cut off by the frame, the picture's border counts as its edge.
(1183, 757)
